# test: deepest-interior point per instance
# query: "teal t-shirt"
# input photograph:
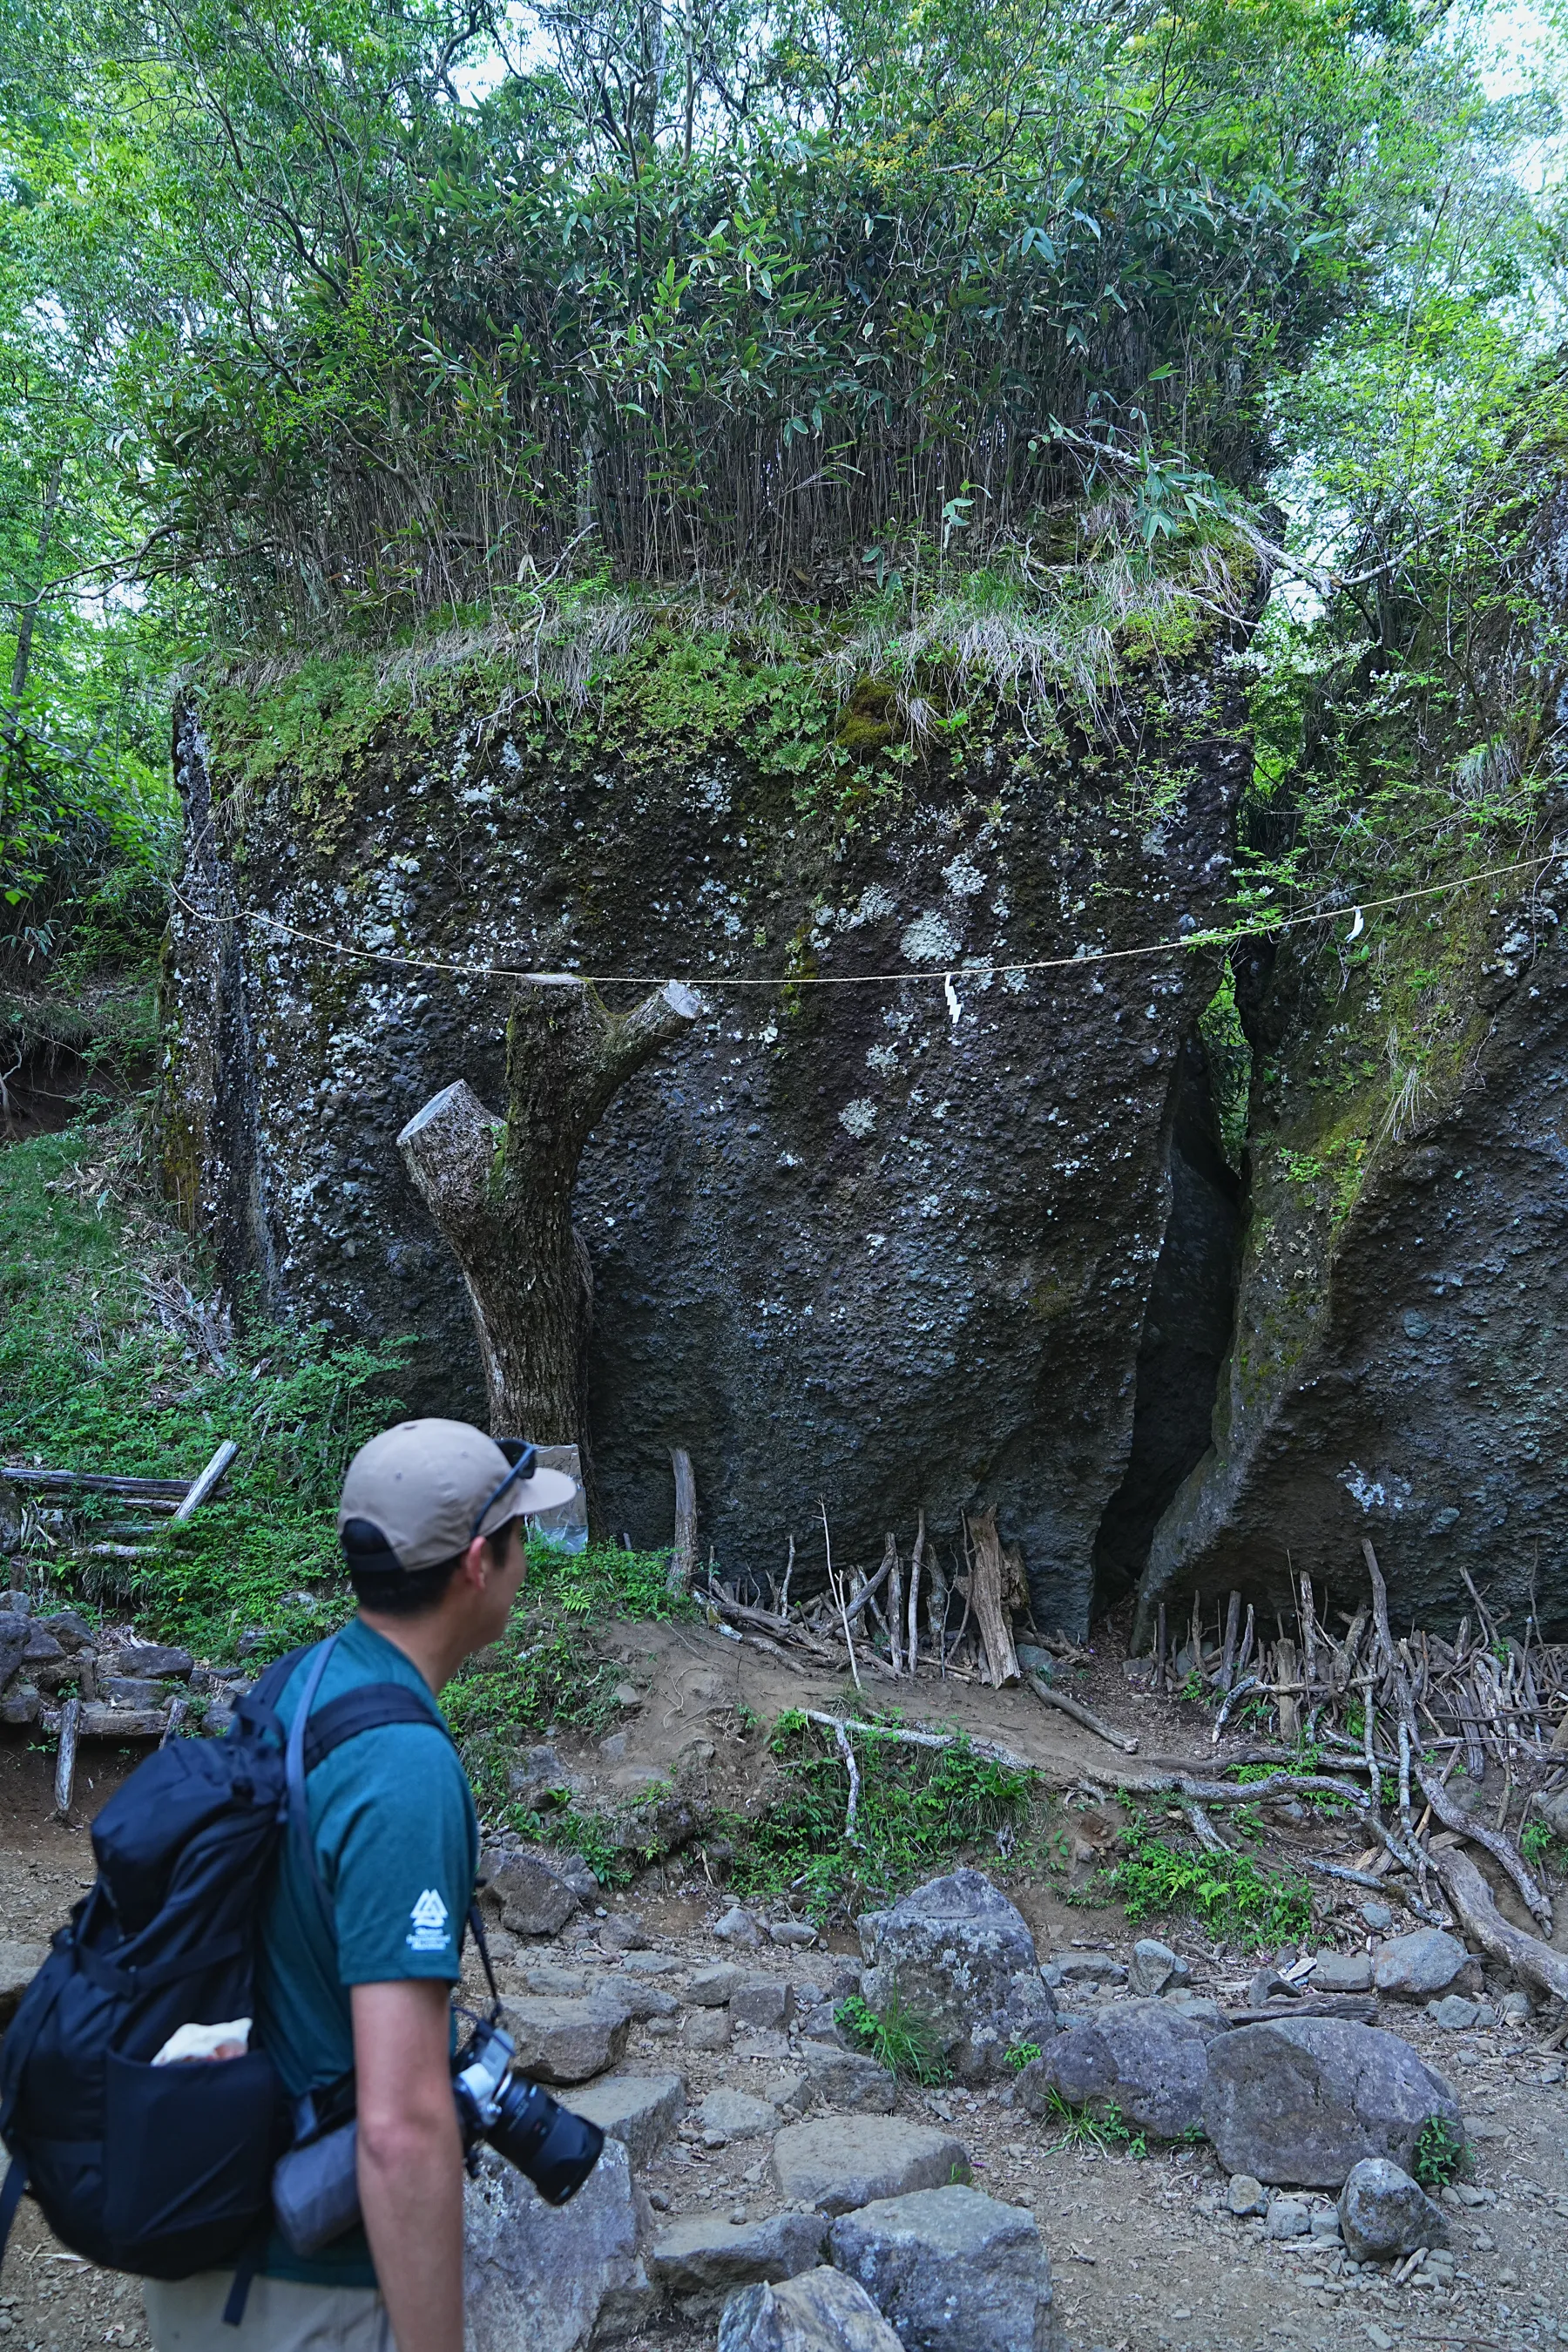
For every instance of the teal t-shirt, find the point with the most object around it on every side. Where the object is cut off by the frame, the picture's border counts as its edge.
(397, 1841)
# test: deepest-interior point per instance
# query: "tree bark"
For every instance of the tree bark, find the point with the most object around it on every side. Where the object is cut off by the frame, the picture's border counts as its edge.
(499, 1191)
(985, 1586)
(683, 1556)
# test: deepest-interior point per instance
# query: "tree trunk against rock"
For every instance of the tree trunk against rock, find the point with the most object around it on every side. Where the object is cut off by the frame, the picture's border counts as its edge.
(986, 1581)
(499, 1191)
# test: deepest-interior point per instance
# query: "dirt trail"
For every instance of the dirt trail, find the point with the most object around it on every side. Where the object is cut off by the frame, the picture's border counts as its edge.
(1146, 2257)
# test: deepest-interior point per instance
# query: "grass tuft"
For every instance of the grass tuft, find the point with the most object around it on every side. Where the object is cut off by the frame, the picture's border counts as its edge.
(897, 2037)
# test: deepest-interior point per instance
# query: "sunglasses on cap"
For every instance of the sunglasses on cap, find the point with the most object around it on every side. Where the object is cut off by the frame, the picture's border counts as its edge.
(522, 1458)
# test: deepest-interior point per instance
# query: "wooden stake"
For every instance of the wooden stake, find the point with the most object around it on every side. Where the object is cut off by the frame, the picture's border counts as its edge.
(915, 1559)
(200, 1488)
(683, 1556)
(985, 1592)
(1159, 1683)
(1227, 1653)
(895, 1606)
(64, 1761)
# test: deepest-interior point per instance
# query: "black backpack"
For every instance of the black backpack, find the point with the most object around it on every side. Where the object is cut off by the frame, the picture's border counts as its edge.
(166, 2170)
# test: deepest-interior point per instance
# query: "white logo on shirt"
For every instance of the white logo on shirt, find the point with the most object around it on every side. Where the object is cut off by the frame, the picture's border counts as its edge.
(428, 1922)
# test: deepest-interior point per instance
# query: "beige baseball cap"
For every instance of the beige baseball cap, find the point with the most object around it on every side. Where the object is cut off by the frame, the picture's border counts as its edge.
(425, 1484)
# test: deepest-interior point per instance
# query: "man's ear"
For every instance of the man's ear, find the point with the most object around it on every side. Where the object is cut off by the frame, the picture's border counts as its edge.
(476, 1564)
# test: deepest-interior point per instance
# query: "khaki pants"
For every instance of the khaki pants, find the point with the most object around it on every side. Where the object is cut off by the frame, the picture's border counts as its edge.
(281, 2315)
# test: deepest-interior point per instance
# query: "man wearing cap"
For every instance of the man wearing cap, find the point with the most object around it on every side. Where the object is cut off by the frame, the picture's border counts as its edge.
(431, 1524)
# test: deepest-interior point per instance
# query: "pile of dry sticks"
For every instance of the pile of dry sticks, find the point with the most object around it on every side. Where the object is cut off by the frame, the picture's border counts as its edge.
(874, 1621)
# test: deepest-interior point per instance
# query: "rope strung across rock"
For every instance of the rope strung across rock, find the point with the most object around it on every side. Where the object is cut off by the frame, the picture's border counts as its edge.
(1088, 961)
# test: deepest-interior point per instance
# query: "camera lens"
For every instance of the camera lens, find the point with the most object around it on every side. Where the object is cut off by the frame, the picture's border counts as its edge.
(554, 2148)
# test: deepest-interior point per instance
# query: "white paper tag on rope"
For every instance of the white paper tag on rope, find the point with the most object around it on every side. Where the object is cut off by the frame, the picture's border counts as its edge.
(952, 1004)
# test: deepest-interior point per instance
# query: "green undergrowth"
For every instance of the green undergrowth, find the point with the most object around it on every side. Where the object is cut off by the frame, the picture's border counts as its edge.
(115, 1357)
(112, 1359)
(921, 1811)
(917, 665)
(1441, 2155)
(1235, 1899)
(1103, 2127)
(897, 2036)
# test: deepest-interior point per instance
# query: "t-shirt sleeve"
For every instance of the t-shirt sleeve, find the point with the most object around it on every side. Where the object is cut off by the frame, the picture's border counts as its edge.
(402, 1876)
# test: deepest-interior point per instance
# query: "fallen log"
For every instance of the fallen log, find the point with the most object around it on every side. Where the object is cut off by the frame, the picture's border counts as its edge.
(987, 1749)
(92, 1482)
(1359, 2006)
(1472, 1898)
(1069, 1707)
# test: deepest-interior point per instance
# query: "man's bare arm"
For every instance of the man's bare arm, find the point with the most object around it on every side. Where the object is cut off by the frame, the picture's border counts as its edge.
(411, 2159)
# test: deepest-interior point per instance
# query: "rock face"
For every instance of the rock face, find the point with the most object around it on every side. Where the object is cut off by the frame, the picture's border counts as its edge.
(1394, 1371)
(822, 2311)
(1145, 2057)
(700, 828)
(542, 2278)
(1305, 2101)
(959, 1954)
(952, 2270)
(1384, 2212)
(845, 2161)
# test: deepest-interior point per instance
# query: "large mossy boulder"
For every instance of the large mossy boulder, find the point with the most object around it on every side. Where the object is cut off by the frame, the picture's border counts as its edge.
(890, 1242)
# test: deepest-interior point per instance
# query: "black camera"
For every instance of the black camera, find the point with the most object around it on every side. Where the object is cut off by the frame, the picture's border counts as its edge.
(549, 2146)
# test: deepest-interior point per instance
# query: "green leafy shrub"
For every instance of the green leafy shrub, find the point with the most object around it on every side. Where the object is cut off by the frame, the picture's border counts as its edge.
(1441, 2155)
(920, 1809)
(1232, 1897)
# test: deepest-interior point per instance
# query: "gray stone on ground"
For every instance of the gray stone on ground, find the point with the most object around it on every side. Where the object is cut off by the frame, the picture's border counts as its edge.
(641, 1963)
(1201, 2006)
(1383, 2213)
(1341, 1972)
(150, 1661)
(1304, 2099)
(623, 1931)
(738, 1926)
(821, 2311)
(843, 2078)
(71, 1629)
(952, 2271)
(640, 1996)
(1454, 2013)
(1081, 1968)
(1244, 2196)
(1423, 1965)
(737, 2114)
(1144, 2057)
(552, 2278)
(706, 2029)
(1156, 1968)
(539, 1780)
(711, 1988)
(705, 2253)
(19, 1964)
(765, 2001)
(1377, 1917)
(798, 1933)
(639, 2110)
(130, 1690)
(956, 1953)
(567, 2040)
(536, 1898)
(1289, 2217)
(840, 2162)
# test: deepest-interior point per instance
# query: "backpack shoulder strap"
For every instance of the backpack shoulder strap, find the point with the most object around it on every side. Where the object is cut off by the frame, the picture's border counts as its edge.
(370, 1708)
